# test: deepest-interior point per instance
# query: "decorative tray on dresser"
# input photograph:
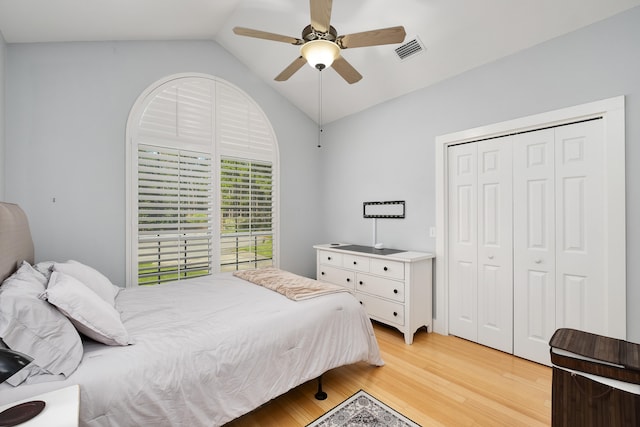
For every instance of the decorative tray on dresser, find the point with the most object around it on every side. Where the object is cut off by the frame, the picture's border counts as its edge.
(393, 285)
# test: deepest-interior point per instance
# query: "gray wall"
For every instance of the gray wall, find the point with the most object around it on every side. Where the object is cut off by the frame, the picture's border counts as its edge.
(387, 152)
(3, 55)
(67, 107)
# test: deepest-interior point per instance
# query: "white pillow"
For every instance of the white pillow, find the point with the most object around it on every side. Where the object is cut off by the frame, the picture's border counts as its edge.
(29, 372)
(89, 313)
(29, 274)
(35, 328)
(92, 278)
(44, 268)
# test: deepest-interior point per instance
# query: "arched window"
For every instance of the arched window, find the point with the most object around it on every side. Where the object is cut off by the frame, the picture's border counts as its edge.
(202, 181)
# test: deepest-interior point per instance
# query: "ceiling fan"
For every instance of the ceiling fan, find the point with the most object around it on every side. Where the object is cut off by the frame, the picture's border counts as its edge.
(321, 44)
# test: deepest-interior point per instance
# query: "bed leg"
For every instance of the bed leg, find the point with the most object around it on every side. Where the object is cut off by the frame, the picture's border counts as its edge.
(320, 395)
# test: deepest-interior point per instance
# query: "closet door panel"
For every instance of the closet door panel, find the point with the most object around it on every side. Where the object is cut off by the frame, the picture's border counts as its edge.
(534, 290)
(539, 310)
(580, 217)
(463, 219)
(495, 271)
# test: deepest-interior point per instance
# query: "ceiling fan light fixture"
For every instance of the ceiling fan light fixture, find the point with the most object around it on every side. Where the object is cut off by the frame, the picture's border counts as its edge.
(320, 54)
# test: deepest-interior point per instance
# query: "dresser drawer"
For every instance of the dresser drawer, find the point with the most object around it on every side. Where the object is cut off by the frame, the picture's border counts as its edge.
(391, 269)
(379, 309)
(337, 276)
(358, 263)
(380, 286)
(330, 258)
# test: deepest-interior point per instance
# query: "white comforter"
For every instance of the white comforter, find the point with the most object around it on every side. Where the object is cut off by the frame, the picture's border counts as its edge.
(208, 350)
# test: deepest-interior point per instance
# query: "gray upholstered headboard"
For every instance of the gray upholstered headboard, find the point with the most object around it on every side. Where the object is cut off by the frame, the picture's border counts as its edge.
(15, 239)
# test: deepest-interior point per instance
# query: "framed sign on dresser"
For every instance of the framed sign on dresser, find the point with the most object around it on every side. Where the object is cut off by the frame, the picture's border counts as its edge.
(393, 285)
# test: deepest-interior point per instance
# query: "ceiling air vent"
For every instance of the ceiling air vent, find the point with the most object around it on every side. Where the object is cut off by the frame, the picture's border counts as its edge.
(410, 48)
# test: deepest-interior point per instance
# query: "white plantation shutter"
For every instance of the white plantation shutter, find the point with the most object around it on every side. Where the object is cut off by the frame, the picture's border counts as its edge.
(247, 199)
(246, 238)
(175, 201)
(244, 131)
(180, 114)
(201, 152)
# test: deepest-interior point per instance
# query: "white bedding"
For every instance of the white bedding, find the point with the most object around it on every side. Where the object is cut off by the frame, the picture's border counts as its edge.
(207, 351)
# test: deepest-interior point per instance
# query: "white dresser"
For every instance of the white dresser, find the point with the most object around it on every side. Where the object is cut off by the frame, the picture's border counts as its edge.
(394, 288)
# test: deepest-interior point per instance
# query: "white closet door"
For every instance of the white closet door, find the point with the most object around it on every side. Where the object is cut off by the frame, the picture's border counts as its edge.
(559, 243)
(495, 244)
(527, 243)
(581, 288)
(463, 217)
(534, 231)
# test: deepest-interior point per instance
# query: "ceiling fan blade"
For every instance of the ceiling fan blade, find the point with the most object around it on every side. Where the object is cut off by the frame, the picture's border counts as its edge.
(291, 69)
(248, 32)
(346, 70)
(320, 14)
(372, 38)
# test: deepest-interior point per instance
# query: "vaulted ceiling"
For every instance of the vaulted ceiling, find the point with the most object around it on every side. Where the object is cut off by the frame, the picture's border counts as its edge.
(457, 35)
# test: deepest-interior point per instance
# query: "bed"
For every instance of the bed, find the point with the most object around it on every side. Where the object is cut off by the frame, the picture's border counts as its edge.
(198, 352)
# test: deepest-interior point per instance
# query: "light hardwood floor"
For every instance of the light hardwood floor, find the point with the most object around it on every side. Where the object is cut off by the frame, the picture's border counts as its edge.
(437, 381)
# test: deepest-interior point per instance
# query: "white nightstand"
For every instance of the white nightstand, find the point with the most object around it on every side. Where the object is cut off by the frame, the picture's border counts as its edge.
(61, 410)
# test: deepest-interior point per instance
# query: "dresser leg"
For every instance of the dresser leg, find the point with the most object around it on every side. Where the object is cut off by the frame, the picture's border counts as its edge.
(408, 338)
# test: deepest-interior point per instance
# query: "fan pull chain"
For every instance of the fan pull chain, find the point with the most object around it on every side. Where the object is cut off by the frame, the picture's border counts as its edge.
(319, 106)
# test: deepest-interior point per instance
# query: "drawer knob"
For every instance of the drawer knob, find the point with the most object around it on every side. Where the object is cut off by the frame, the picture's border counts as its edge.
(348, 280)
(395, 313)
(385, 269)
(360, 302)
(328, 258)
(355, 263)
(395, 291)
(322, 273)
(360, 282)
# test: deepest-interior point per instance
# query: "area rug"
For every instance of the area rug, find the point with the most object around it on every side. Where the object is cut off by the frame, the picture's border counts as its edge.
(363, 410)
